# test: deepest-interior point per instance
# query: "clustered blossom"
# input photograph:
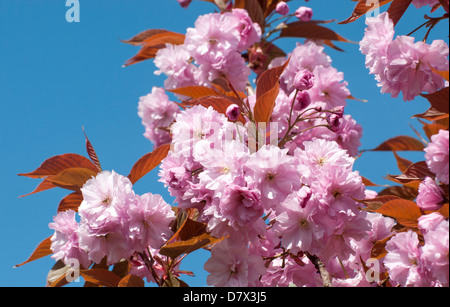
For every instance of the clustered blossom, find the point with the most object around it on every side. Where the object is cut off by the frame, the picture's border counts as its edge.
(402, 65)
(272, 194)
(114, 223)
(212, 50)
(410, 263)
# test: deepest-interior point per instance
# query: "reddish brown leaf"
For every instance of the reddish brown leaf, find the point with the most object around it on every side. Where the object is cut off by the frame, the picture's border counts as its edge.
(42, 250)
(404, 211)
(148, 162)
(188, 230)
(402, 163)
(432, 114)
(415, 172)
(101, 277)
(71, 202)
(379, 248)
(175, 249)
(439, 100)
(311, 30)
(363, 7)
(268, 87)
(92, 154)
(155, 41)
(72, 178)
(194, 91)
(138, 39)
(432, 129)
(401, 143)
(397, 9)
(404, 192)
(369, 183)
(43, 186)
(444, 210)
(131, 281)
(56, 164)
(377, 202)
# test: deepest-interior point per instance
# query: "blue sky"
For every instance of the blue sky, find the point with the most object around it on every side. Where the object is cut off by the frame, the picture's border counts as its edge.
(57, 77)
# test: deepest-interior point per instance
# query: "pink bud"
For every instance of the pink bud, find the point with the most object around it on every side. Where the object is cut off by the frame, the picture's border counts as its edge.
(333, 121)
(282, 8)
(304, 80)
(233, 112)
(302, 100)
(304, 13)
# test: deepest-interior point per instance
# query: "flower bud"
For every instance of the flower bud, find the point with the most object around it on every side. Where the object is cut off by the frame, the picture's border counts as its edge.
(302, 100)
(282, 8)
(333, 121)
(233, 112)
(304, 13)
(304, 80)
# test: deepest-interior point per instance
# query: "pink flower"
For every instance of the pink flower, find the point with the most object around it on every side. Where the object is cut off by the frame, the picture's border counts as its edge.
(349, 134)
(249, 32)
(105, 201)
(233, 266)
(329, 87)
(428, 222)
(282, 8)
(408, 68)
(401, 65)
(304, 13)
(431, 196)
(378, 35)
(274, 173)
(212, 39)
(404, 260)
(149, 220)
(157, 112)
(297, 224)
(233, 112)
(307, 56)
(319, 155)
(175, 62)
(436, 251)
(65, 243)
(303, 80)
(103, 211)
(195, 124)
(437, 156)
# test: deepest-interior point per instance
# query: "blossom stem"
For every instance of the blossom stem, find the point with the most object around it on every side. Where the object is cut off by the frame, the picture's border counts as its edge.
(326, 277)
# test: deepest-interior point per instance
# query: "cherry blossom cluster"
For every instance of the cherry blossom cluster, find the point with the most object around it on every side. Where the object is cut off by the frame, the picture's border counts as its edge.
(114, 224)
(402, 65)
(280, 194)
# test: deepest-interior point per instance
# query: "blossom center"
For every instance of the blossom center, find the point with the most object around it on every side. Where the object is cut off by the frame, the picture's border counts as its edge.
(303, 223)
(270, 176)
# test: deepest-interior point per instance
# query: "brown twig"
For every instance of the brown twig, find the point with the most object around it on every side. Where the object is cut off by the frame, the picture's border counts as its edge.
(326, 277)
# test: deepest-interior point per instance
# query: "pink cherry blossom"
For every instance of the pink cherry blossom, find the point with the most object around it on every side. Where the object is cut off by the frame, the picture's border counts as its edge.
(65, 242)
(304, 13)
(233, 266)
(436, 251)
(404, 260)
(282, 8)
(149, 220)
(431, 196)
(420, 3)
(157, 113)
(437, 156)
